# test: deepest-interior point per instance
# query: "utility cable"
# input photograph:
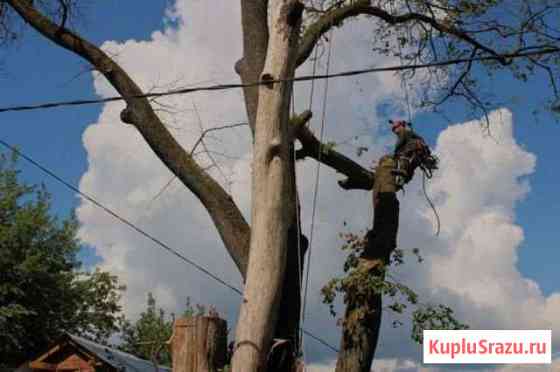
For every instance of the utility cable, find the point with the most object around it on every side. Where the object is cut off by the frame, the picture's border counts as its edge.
(123, 220)
(219, 87)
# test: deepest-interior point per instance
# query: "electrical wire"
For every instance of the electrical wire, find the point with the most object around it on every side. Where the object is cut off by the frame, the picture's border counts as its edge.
(218, 87)
(150, 237)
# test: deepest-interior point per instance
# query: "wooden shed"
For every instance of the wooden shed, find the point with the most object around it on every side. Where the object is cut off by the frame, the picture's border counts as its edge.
(76, 354)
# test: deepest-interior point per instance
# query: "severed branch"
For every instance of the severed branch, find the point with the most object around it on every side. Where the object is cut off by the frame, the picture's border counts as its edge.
(357, 177)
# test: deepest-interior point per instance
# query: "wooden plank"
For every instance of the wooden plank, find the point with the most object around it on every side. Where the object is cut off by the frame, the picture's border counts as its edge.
(49, 353)
(43, 365)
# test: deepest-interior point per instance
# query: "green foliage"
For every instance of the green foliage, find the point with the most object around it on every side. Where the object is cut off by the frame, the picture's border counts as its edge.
(433, 317)
(42, 293)
(148, 337)
(366, 283)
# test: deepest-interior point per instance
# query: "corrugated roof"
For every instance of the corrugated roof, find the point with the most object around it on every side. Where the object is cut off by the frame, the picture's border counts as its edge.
(118, 359)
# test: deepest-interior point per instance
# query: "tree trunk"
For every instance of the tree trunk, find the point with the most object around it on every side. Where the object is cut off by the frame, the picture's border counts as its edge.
(283, 357)
(358, 344)
(273, 203)
(362, 320)
(199, 344)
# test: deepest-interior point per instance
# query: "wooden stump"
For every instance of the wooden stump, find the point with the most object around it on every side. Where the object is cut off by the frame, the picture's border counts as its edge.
(199, 344)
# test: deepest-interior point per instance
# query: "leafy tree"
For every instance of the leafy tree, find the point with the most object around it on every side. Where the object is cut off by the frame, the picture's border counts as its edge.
(148, 336)
(42, 291)
(455, 38)
(372, 284)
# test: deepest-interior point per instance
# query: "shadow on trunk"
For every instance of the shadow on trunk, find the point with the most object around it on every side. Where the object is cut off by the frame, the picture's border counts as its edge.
(285, 349)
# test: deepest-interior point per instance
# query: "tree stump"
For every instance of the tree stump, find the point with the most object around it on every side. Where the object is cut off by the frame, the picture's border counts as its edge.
(199, 344)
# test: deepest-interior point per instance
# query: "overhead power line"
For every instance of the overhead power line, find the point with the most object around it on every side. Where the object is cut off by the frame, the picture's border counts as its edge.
(142, 232)
(118, 217)
(219, 87)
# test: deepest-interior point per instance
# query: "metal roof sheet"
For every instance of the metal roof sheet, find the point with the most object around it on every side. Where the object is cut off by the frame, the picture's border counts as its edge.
(118, 359)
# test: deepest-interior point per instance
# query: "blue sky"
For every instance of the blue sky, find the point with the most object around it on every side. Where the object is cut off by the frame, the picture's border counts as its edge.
(36, 71)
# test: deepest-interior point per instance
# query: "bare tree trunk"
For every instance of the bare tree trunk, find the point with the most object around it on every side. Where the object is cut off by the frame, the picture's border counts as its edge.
(273, 196)
(283, 357)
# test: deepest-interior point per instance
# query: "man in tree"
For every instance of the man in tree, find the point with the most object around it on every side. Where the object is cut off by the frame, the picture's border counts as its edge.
(278, 36)
(411, 152)
(42, 293)
(391, 174)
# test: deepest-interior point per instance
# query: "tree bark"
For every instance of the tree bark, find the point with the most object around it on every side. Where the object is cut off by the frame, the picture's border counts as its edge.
(362, 320)
(254, 18)
(358, 343)
(274, 201)
(283, 357)
(227, 218)
(199, 344)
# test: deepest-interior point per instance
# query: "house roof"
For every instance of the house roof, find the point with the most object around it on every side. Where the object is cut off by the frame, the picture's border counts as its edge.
(120, 360)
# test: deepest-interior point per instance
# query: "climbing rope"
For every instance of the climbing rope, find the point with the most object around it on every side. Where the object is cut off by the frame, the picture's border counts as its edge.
(317, 173)
(404, 81)
(301, 339)
(427, 174)
(298, 226)
(426, 171)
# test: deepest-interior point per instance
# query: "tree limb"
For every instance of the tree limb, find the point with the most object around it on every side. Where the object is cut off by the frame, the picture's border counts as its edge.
(338, 15)
(357, 176)
(227, 218)
(255, 42)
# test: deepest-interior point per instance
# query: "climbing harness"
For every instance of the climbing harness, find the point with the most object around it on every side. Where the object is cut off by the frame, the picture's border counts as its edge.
(409, 155)
(412, 153)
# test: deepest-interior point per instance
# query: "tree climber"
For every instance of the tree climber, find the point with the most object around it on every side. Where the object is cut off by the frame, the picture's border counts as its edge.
(391, 174)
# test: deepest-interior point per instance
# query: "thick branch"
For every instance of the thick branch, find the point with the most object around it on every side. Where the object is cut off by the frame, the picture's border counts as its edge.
(336, 16)
(357, 176)
(255, 43)
(227, 218)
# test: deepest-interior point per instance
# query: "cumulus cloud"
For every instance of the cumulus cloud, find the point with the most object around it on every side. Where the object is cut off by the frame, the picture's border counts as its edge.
(481, 181)
(379, 365)
(124, 174)
(471, 266)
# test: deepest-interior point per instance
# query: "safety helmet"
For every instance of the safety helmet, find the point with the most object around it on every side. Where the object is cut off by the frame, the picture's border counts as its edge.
(397, 124)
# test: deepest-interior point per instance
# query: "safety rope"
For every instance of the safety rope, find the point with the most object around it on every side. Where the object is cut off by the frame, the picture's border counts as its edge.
(404, 80)
(298, 224)
(301, 340)
(317, 173)
(426, 172)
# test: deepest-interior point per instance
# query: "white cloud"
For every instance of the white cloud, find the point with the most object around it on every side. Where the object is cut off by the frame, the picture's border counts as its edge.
(480, 183)
(554, 367)
(471, 266)
(379, 365)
